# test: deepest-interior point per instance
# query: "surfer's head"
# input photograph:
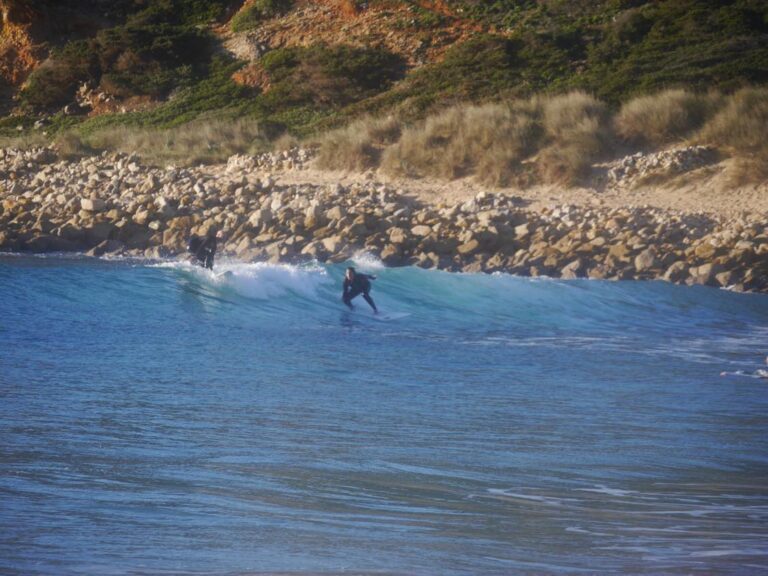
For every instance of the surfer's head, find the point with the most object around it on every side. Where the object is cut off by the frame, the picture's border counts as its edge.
(350, 273)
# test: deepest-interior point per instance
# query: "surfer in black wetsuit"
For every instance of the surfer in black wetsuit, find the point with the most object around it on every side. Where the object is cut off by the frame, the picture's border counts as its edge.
(203, 249)
(356, 284)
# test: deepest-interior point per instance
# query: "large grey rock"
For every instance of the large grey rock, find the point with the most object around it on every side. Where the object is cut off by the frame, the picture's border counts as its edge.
(676, 272)
(646, 260)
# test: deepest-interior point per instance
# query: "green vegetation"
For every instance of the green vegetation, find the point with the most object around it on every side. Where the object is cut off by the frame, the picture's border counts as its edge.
(614, 49)
(309, 84)
(215, 93)
(479, 68)
(251, 15)
(163, 54)
(159, 48)
(691, 43)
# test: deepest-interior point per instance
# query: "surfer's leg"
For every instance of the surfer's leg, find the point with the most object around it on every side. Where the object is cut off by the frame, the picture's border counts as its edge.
(350, 295)
(370, 301)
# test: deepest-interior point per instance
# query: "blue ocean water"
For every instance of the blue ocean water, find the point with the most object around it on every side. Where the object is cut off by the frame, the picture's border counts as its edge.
(159, 419)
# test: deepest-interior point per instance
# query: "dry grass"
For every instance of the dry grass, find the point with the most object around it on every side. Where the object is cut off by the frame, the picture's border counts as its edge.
(202, 141)
(666, 117)
(28, 140)
(740, 128)
(359, 145)
(492, 141)
(488, 141)
(285, 142)
(576, 136)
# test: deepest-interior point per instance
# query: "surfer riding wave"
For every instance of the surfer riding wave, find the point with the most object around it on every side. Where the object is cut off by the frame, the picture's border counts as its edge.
(356, 284)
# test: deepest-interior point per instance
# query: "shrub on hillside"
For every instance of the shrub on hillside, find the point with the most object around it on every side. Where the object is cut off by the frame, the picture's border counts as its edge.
(327, 77)
(149, 60)
(55, 82)
(664, 117)
(741, 127)
(125, 61)
(252, 14)
(701, 45)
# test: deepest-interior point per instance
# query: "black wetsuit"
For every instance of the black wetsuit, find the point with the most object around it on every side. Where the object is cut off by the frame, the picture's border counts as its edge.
(360, 284)
(204, 251)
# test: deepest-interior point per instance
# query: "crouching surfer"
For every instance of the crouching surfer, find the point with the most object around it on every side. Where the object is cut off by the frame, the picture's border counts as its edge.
(356, 284)
(203, 248)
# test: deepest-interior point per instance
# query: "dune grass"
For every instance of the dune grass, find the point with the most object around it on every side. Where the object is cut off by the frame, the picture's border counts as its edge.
(203, 141)
(666, 117)
(359, 145)
(488, 141)
(577, 134)
(492, 141)
(740, 128)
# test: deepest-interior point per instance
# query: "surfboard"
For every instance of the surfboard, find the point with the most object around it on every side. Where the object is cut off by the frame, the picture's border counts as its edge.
(225, 275)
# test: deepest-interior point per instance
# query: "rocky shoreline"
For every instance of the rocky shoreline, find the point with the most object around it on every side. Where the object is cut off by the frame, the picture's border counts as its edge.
(113, 204)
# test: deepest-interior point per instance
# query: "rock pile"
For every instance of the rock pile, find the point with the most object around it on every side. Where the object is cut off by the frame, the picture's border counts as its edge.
(293, 159)
(113, 204)
(633, 170)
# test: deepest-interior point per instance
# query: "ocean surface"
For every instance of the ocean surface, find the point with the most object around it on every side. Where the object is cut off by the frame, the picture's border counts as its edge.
(157, 419)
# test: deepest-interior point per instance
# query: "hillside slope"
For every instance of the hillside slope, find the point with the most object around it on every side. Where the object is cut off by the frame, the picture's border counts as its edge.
(303, 66)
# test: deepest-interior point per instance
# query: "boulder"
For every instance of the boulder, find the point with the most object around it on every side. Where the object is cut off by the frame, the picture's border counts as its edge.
(646, 260)
(522, 231)
(704, 274)
(676, 272)
(391, 255)
(92, 204)
(333, 244)
(725, 279)
(106, 247)
(48, 243)
(468, 248)
(336, 213)
(572, 270)
(398, 236)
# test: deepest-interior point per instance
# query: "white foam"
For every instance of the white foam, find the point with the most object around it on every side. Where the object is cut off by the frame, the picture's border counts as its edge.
(600, 489)
(367, 262)
(259, 280)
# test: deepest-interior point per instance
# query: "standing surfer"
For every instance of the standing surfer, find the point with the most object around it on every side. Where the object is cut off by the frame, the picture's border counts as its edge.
(356, 284)
(203, 248)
